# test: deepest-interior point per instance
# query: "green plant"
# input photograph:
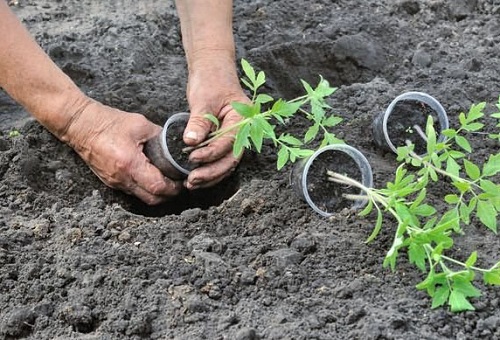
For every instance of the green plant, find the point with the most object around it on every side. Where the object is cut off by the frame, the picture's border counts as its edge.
(14, 133)
(423, 231)
(260, 116)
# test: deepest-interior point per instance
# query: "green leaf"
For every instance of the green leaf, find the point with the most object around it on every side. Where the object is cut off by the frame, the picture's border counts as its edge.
(330, 139)
(241, 140)
(260, 80)
(463, 143)
(492, 166)
(474, 127)
(417, 255)
(290, 140)
(462, 186)
(471, 260)
(475, 112)
(489, 187)
(367, 209)
(452, 167)
(492, 277)
(440, 296)
(212, 119)
(463, 283)
(424, 210)
(430, 132)
(249, 71)
(257, 136)
(311, 133)
(450, 133)
(487, 214)
(377, 228)
(245, 110)
(331, 121)
(451, 199)
(472, 169)
(285, 109)
(263, 98)
(458, 302)
(283, 156)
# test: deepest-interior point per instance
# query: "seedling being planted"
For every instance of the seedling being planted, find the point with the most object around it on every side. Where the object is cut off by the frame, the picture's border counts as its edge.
(259, 116)
(423, 231)
(260, 120)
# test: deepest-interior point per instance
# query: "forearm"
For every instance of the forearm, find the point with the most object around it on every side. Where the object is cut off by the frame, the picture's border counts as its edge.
(29, 76)
(207, 30)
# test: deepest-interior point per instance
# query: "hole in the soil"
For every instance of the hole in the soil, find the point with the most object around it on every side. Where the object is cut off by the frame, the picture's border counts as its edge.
(202, 198)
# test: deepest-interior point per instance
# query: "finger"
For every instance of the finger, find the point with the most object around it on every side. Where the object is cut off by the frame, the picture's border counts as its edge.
(147, 197)
(197, 128)
(152, 181)
(211, 173)
(216, 150)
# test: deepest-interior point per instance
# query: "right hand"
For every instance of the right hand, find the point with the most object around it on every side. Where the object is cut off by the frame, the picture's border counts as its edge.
(111, 141)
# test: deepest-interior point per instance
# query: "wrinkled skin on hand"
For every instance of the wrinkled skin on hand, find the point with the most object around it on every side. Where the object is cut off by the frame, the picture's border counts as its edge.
(213, 85)
(110, 141)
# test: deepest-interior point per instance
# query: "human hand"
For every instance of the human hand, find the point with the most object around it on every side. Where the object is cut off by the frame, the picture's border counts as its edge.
(110, 141)
(212, 86)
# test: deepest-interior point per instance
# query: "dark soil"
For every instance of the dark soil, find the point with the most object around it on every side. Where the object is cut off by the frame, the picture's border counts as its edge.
(401, 124)
(248, 259)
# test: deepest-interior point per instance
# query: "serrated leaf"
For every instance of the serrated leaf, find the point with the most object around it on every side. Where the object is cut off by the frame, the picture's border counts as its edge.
(241, 140)
(492, 277)
(248, 70)
(472, 169)
(489, 187)
(257, 136)
(247, 84)
(424, 210)
(492, 165)
(487, 214)
(458, 302)
(475, 111)
(311, 133)
(417, 255)
(245, 110)
(440, 296)
(260, 80)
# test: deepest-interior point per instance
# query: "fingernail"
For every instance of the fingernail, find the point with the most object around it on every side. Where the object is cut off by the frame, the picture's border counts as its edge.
(191, 135)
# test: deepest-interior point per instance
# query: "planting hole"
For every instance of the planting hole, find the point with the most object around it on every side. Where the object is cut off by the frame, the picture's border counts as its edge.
(202, 198)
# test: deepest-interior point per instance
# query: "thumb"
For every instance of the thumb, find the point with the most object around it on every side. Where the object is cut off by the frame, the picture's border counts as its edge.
(197, 128)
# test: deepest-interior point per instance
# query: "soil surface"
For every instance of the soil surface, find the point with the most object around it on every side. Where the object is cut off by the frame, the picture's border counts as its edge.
(247, 259)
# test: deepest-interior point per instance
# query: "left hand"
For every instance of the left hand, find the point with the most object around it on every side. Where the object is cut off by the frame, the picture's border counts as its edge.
(213, 85)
